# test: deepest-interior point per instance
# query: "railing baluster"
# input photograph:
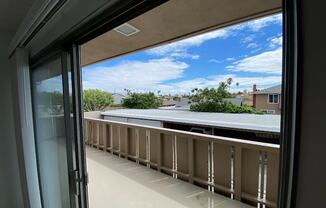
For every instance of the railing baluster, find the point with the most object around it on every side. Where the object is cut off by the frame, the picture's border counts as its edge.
(98, 135)
(119, 140)
(176, 155)
(105, 142)
(127, 143)
(92, 133)
(111, 138)
(137, 145)
(262, 177)
(148, 148)
(173, 157)
(232, 171)
(212, 165)
(265, 176)
(191, 160)
(159, 151)
(86, 132)
(237, 172)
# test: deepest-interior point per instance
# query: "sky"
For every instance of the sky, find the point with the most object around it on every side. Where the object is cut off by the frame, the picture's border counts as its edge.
(249, 53)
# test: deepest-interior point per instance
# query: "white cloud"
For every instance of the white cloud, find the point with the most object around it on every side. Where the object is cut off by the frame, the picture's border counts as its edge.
(276, 41)
(133, 75)
(266, 62)
(221, 61)
(248, 39)
(256, 25)
(153, 75)
(215, 61)
(252, 45)
(182, 46)
(184, 55)
(230, 59)
(245, 83)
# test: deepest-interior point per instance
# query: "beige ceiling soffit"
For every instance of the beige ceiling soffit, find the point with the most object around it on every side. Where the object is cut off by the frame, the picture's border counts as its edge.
(173, 21)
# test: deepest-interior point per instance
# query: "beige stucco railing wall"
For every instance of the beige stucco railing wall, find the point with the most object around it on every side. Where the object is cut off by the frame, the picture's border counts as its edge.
(244, 170)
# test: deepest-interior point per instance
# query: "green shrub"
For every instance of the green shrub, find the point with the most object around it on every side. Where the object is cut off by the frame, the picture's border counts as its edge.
(95, 99)
(212, 100)
(223, 107)
(142, 101)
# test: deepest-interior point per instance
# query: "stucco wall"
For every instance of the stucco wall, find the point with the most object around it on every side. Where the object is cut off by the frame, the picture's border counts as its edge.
(262, 104)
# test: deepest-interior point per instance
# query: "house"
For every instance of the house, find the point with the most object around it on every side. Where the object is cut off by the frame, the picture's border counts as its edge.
(176, 103)
(168, 102)
(117, 98)
(267, 100)
(235, 101)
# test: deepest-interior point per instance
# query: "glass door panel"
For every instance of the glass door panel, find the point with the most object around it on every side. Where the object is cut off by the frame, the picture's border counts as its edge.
(52, 133)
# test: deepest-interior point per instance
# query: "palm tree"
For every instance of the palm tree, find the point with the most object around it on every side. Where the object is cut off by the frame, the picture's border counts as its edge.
(229, 81)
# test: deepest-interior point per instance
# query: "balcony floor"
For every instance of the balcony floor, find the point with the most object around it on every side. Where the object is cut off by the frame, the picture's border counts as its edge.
(116, 182)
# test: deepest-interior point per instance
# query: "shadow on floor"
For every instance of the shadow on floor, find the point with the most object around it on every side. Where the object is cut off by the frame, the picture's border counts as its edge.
(182, 192)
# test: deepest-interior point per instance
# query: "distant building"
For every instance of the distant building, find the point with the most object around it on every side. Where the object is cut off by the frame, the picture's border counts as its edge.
(235, 101)
(267, 100)
(117, 98)
(176, 103)
(246, 98)
(169, 103)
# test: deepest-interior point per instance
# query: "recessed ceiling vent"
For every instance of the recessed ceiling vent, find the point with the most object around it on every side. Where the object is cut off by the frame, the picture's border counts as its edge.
(126, 29)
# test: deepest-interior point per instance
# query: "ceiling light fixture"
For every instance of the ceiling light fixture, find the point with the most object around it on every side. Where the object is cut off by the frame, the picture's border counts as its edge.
(126, 29)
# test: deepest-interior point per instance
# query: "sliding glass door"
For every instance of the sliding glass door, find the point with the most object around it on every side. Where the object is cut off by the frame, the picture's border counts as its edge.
(56, 139)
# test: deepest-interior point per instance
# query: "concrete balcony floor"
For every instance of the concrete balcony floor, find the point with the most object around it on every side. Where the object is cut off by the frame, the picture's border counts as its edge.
(116, 182)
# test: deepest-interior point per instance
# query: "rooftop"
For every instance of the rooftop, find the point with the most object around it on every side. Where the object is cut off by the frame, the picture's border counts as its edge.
(253, 122)
(276, 89)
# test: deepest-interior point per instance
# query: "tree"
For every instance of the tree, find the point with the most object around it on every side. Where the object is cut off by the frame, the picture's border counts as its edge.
(142, 100)
(95, 99)
(52, 102)
(229, 81)
(213, 100)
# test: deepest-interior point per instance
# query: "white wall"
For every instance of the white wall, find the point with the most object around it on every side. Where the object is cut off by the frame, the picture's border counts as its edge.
(10, 186)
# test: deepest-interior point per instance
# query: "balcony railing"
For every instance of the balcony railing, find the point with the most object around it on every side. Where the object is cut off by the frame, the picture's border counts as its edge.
(241, 169)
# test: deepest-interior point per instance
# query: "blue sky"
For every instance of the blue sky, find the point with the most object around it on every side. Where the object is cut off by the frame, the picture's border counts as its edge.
(250, 53)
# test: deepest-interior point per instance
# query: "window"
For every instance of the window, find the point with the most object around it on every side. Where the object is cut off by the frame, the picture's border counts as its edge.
(273, 98)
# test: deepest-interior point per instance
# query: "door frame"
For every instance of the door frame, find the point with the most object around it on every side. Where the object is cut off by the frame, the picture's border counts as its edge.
(79, 125)
(291, 82)
(77, 181)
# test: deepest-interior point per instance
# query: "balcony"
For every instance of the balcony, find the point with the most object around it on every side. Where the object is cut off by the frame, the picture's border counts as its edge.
(183, 169)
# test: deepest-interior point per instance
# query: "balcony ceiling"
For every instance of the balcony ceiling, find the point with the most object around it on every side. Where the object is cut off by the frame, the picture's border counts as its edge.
(12, 13)
(174, 20)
